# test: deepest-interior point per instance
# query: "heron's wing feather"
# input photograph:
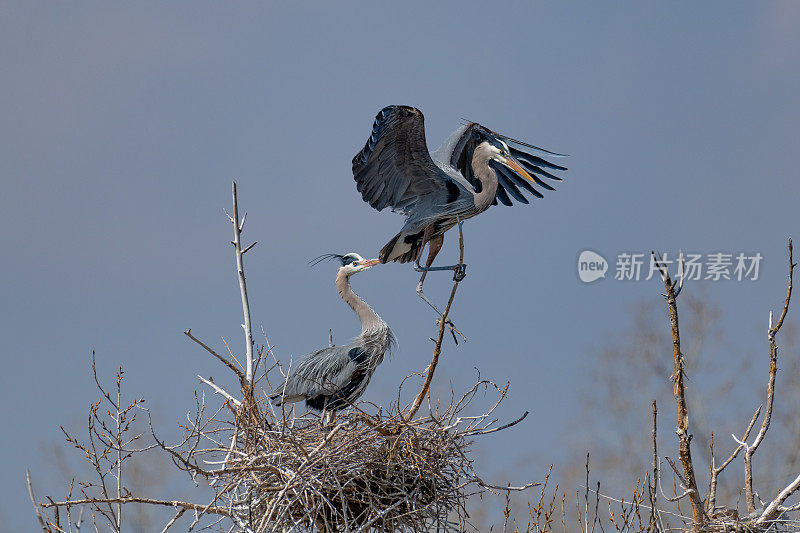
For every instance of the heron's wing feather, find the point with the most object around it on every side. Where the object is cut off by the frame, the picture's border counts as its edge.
(509, 178)
(458, 149)
(395, 168)
(323, 372)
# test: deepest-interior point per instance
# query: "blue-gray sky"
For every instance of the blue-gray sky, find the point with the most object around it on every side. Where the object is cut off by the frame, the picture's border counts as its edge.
(124, 124)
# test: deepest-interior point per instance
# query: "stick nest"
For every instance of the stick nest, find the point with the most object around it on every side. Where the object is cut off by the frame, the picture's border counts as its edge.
(359, 473)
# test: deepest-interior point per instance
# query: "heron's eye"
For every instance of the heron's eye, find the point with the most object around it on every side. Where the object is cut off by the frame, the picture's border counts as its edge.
(355, 263)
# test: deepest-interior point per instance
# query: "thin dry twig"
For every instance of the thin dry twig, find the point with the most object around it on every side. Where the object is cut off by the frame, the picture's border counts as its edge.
(230, 365)
(651, 482)
(39, 517)
(135, 499)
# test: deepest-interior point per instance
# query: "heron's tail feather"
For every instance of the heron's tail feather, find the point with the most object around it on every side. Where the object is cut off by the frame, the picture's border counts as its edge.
(280, 399)
(402, 248)
(386, 252)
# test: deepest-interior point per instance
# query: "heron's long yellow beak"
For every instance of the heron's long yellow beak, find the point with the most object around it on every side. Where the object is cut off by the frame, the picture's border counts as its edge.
(370, 262)
(516, 167)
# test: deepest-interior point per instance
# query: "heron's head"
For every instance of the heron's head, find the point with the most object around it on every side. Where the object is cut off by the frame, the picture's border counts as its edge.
(351, 263)
(499, 151)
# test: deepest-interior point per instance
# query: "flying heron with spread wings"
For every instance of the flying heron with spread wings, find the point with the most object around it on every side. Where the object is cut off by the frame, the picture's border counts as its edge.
(334, 377)
(474, 169)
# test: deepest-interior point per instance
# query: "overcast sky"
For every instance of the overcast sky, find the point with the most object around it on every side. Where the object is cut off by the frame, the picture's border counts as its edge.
(123, 125)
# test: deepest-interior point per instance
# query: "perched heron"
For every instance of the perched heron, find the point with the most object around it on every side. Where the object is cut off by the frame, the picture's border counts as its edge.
(332, 378)
(474, 169)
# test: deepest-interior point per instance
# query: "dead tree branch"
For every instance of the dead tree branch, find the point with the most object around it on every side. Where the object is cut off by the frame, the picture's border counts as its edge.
(226, 362)
(773, 509)
(651, 484)
(437, 349)
(149, 501)
(39, 517)
(237, 243)
(750, 449)
(716, 470)
(679, 390)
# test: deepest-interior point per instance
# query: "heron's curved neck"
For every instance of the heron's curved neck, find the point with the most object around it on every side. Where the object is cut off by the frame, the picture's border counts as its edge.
(370, 321)
(486, 175)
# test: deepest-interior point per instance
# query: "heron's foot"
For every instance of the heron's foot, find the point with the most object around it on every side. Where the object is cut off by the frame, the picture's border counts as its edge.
(455, 268)
(449, 323)
(459, 272)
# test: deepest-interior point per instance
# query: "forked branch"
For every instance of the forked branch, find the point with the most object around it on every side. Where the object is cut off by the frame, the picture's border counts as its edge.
(774, 508)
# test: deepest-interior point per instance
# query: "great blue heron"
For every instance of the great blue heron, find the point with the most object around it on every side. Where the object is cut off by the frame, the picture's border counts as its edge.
(334, 377)
(473, 170)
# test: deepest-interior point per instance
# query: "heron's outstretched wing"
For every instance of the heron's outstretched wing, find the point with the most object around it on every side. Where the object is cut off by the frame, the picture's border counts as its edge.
(458, 150)
(395, 168)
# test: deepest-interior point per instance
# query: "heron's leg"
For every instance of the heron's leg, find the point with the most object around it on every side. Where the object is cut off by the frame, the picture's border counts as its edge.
(324, 417)
(434, 246)
(459, 269)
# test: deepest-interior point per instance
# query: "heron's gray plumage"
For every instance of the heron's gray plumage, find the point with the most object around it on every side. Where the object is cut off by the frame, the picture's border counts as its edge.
(334, 377)
(464, 177)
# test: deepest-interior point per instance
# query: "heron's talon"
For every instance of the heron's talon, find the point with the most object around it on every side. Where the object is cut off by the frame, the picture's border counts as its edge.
(459, 272)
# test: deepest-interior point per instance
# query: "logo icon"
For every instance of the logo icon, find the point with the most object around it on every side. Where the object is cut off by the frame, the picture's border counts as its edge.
(591, 266)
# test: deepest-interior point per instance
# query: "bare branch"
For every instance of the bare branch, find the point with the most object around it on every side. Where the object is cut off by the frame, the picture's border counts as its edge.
(653, 525)
(526, 486)
(219, 390)
(33, 501)
(237, 242)
(437, 349)
(788, 293)
(174, 519)
(681, 273)
(716, 470)
(501, 428)
(773, 370)
(226, 362)
(774, 508)
(684, 437)
(147, 501)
